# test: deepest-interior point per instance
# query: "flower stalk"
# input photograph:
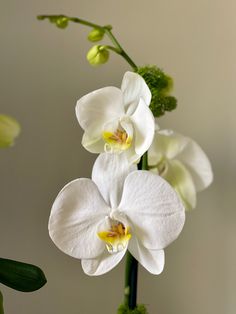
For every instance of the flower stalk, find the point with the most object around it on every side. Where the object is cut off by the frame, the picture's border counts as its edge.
(107, 29)
(131, 270)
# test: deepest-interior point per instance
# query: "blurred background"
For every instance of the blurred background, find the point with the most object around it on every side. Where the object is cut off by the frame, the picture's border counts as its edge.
(43, 72)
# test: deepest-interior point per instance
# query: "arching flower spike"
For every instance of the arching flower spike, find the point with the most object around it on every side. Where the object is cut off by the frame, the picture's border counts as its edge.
(120, 208)
(118, 120)
(182, 162)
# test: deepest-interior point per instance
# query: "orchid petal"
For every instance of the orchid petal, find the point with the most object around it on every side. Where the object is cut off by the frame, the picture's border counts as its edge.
(181, 180)
(144, 126)
(95, 109)
(153, 207)
(92, 144)
(77, 213)
(102, 264)
(152, 260)
(134, 87)
(198, 163)
(109, 173)
(167, 144)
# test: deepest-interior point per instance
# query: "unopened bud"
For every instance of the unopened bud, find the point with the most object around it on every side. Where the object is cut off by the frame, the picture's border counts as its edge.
(98, 55)
(62, 22)
(96, 34)
(9, 130)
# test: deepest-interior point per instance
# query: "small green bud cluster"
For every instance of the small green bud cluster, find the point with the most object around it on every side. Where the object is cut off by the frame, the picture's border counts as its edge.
(160, 86)
(124, 309)
(60, 21)
(97, 55)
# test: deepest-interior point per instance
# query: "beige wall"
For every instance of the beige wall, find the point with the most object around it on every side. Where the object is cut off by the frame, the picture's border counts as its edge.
(43, 72)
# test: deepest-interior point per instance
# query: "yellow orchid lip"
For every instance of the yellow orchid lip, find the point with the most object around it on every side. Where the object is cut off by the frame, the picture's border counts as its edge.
(116, 238)
(117, 141)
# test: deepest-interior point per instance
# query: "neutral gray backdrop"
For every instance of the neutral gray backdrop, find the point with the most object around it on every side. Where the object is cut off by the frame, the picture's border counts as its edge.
(43, 71)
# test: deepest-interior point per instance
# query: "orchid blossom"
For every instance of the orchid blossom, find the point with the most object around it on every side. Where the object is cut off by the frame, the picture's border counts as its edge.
(182, 162)
(120, 208)
(118, 120)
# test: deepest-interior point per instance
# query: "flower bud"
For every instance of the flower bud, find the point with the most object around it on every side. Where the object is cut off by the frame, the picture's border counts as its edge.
(96, 34)
(62, 22)
(98, 55)
(9, 130)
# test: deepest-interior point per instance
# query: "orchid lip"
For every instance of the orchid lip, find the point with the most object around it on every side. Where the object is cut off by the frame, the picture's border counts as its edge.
(116, 237)
(116, 141)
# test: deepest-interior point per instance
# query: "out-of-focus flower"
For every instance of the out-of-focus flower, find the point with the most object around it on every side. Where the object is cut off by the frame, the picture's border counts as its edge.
(182, 162)
(118, 120)
(9, 130)
(120, 208)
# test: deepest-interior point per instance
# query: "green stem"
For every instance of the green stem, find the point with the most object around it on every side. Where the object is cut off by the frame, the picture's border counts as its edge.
(122, 51)
(131, 276)
(144, 161)
(131, 270)
(107, 29)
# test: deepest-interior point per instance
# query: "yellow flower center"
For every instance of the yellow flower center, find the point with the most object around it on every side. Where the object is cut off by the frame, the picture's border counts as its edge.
(116, 141)
(116, 238)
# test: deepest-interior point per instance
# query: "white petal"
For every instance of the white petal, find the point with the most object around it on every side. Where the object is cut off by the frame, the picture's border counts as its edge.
(152, 260)
(154, 209)
(198, 164)
(102, 264)
(95, 109)
(76, 215)
(134, 87)
(144, 126)
(92, 144)
(167, 144)
(109, 173)
(181, 180)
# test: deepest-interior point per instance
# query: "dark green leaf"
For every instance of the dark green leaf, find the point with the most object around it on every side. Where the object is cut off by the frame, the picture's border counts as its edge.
(1, 303)
(21, 276)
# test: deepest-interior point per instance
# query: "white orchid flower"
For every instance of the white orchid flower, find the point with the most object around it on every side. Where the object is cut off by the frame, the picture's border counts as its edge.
(118, 120)
(120, 208)
(182, 162)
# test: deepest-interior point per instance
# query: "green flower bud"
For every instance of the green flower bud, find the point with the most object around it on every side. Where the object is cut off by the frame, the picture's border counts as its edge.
(62, 22)
(96, 34)
(98, 55)
(9, 130)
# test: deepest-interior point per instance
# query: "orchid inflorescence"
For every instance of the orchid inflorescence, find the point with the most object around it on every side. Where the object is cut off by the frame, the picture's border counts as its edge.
(125, 208)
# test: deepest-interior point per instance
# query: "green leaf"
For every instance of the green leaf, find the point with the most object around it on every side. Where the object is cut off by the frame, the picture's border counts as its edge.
(1, 303)
(21, 276)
